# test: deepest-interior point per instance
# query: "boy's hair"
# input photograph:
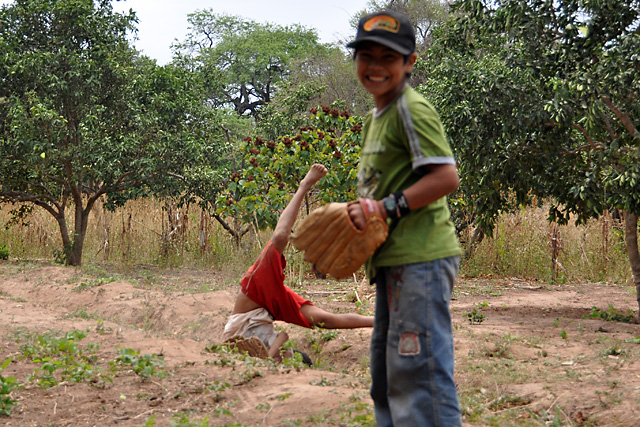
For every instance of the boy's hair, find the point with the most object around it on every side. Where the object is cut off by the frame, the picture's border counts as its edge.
(388, 28)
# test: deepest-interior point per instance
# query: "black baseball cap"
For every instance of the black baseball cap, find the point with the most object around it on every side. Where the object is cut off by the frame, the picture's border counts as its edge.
(388, 28)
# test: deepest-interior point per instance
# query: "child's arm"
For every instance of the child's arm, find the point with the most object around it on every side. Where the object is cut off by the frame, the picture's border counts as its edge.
(439, 181)
(280, 236)
(274, 350)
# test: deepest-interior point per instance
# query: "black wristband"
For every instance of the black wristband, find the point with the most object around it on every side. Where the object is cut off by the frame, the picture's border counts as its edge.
(391, 207)
(401, 203)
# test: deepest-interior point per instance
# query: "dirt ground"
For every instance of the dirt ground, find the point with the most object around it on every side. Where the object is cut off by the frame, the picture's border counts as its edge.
(527, 353)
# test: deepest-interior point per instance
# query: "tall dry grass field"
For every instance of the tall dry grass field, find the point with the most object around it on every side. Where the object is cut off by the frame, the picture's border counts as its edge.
(142, 232)
(525, 245)
(157, 233)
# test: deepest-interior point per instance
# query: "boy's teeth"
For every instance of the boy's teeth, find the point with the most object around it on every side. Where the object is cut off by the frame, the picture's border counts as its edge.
(376, 79)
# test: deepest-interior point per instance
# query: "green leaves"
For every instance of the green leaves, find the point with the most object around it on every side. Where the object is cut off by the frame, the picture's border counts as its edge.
(244, 62)
(7, 385)
(83, 117)
(531, 97)
(272, 170)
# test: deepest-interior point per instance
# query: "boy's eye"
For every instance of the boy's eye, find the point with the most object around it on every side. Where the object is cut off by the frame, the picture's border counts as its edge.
(384, 58)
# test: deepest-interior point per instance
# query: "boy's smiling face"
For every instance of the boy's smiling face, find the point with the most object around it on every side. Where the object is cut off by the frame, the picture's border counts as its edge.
(382, 71)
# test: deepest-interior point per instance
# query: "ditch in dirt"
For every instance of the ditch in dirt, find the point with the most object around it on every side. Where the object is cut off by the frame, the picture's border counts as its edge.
(526, 353)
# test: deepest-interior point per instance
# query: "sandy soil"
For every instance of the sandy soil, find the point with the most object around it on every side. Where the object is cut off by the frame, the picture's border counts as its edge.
(532, 356)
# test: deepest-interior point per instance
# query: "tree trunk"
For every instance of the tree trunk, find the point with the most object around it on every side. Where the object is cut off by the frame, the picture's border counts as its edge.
(82, 219)
(67, 244)
(631, 241)
(72, 245)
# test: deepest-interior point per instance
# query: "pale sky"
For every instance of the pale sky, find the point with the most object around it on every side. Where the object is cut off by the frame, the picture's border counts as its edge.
(163, 21)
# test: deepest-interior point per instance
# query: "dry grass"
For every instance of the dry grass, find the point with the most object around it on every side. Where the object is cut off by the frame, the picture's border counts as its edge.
(523, 245)
(156, 233)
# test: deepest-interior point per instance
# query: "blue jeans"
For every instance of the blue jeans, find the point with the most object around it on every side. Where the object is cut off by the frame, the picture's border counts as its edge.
(412, 346)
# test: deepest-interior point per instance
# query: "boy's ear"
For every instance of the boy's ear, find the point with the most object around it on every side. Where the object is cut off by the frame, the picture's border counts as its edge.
(411, 60)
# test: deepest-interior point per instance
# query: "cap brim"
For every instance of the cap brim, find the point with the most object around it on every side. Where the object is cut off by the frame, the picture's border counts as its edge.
(380, 40)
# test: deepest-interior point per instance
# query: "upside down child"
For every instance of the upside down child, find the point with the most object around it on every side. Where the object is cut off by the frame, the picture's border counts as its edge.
(263, 297)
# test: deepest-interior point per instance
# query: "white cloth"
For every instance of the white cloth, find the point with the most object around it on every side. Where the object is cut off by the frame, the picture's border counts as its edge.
(257, 322)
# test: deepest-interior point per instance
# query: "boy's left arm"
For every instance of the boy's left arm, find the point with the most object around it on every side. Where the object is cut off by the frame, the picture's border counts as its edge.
(437, 182)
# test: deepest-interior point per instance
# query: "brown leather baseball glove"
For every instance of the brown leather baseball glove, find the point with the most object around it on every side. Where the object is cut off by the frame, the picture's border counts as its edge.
(334, 244)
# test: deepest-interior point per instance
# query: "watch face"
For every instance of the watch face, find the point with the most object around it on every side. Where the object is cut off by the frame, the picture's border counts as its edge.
(389, 204)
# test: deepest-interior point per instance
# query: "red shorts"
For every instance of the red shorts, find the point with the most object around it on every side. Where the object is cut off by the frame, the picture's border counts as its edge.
(264, 284)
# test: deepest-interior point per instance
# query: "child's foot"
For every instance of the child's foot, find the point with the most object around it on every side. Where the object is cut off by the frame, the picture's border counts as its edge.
(314, 175)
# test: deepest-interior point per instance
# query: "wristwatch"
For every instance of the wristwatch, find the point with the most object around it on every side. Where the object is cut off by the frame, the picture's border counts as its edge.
(390, 206)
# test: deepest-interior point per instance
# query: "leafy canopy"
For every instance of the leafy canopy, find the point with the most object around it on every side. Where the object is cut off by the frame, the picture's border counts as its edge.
(540, 98)
(243, 61)
(82, 116)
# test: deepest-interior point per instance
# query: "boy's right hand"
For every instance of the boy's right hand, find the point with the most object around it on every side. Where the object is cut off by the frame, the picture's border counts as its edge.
(357, 214)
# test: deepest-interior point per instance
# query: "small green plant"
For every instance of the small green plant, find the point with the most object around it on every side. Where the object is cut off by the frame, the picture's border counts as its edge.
(216, 388)
(83, 286)
(63, 356)
(4, 251)
(611, 315)
(547, 418)
(563, 334)
(476, 317)
(7, 385)
(264, 406)
(323, 382)
(357, 414)
(329, 335)
(144, 366)
(181, 420)
(500, 349)
(614, 350)
(283, 397)
(48, 345)
(80, 313)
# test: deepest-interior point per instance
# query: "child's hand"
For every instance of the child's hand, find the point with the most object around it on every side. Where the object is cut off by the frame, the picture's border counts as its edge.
(316, 172)
(357, 214)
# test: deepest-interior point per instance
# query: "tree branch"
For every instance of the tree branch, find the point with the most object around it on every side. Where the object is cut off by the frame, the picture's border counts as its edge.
(623, 117)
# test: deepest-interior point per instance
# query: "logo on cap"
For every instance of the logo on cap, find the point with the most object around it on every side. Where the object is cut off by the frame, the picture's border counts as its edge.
(382, 22)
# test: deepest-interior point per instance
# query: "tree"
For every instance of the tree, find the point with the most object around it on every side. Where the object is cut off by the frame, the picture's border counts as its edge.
(270, 171)
(82, 118)
(325, 78)
(540, 98)
(334, 72)
(243, 61)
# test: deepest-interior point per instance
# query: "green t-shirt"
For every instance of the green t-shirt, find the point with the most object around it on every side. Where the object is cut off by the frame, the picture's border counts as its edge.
(398, 141)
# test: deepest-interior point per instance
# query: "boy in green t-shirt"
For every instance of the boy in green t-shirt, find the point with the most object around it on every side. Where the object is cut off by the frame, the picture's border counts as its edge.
(407, 166)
